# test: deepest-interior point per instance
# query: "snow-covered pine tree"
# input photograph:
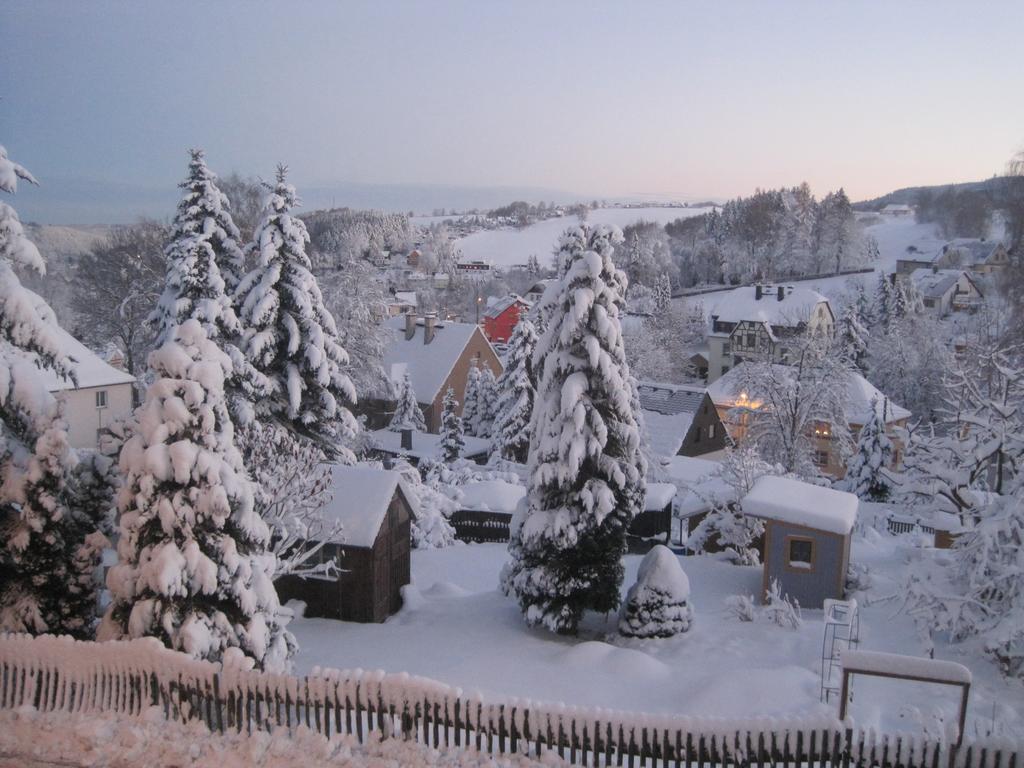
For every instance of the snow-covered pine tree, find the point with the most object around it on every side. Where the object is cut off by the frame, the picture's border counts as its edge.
(663, 293)
(867, 473)
(45, 561)
(472, 401)
(487, 404)
(883, 307)
(204, 261)
(194, 566)
(517, 390)
(658, 604)
(408, 414)
(452, 443)
(290, 337)
(853, 339)
(901, 306)
(587, 472)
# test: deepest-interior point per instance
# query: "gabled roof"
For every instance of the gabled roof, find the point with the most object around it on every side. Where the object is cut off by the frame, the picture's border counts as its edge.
(430, 364)
(934, 284)
(91, 369)
(799, 503)
(361, 497)
(666, 434)
(742, 303)
(726, 390)
(502, 304)
(670, 399)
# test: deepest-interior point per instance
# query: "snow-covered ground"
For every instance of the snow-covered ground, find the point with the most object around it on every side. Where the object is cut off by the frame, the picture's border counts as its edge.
(505, 247)
(29, 739)
(458, 628)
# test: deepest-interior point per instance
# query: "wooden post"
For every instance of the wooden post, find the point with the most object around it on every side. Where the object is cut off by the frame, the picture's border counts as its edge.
(965, 692)
(844, 695)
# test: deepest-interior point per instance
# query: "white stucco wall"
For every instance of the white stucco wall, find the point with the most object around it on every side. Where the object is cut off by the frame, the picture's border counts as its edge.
(84, 418)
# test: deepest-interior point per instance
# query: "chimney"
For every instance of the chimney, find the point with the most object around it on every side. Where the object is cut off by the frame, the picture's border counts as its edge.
(410, 325)
(781, 292)
(429, 325)
(758, 292)
(406, 439)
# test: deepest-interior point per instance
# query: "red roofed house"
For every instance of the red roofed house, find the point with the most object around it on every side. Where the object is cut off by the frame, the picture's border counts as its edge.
(501, 318)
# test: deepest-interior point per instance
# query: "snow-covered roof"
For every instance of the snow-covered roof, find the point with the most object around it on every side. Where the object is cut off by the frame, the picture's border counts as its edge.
(658, 496)
(670, 399)
(495, 308)
(91, 369)
(700, 486)
(727, 390)
(897, 208)
(405, 297)
(741, 304)
(666, 434)
(428, 364)
(935, 283)
(687, 469)
(491, 496)
(425, 445)
(905, 666)
(361, 496)
(799, 503)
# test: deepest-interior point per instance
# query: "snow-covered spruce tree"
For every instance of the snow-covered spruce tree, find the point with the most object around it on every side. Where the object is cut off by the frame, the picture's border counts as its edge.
(587, 472)
(517, 391)
(867, 474)
(45, 561)
(452, 442)
(658, 604)
(194, 567)
(204, 261)
(430, 527)
(882, 311)
(408, 414)
(471, 401)
(487, 404)
(853, 339)
(290, 337)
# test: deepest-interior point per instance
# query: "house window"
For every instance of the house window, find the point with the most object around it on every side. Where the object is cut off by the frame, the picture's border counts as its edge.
(749, 340)
(929, 302)
(101, 398)
(726, 348)
(821, 458)
(711, 432)
(799, 553)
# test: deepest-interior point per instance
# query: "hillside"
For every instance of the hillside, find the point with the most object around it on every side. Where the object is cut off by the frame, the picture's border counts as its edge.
(909, 195)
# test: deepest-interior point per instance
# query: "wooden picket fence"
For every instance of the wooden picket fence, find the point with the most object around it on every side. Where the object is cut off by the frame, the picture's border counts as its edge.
(57, 674)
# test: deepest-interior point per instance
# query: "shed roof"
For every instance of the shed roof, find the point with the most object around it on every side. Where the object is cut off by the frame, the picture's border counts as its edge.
(491, 496)
(361, 497)
(799, 503)
(658, 496)
(428, 365)
(425, 445)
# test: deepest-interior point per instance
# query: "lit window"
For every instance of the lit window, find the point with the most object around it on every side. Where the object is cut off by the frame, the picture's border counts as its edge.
(101, 398)
(801, 554)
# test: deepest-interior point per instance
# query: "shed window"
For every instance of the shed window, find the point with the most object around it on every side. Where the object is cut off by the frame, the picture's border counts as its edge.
(801, 553)
(101, 398)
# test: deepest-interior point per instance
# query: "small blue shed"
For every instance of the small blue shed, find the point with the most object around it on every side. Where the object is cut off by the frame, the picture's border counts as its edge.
(807, 537)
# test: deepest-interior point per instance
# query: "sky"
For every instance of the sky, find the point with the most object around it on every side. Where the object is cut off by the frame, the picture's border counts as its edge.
(634, 100)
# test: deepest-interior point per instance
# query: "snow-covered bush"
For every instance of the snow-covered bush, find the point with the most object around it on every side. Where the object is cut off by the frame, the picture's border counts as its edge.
(432, 507)
(658, 604)
(587, 473)
(780, 609)
(194, 566)
(867, 474)
(741, 606)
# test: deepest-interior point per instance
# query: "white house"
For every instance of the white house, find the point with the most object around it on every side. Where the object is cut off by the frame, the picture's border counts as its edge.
(102, 397)
(898, 209)
(755, 321)
(945, 290)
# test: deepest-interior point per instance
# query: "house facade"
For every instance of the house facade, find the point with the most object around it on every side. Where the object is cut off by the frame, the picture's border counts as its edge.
(501, 318)
(943, 291)
(437, 354)
(680, 419)
(757, 322)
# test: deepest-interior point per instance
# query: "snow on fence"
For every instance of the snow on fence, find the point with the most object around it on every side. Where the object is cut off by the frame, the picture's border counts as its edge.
(61, 674)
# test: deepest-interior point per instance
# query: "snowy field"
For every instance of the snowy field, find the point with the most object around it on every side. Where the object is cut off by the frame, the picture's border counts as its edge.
(458, 628)
(505, 247)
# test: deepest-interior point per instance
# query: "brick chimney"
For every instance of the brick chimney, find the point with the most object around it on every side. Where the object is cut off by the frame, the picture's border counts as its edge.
(781, 292)
(758, 292)
(406, 439)
(429, 327)
(410, 325)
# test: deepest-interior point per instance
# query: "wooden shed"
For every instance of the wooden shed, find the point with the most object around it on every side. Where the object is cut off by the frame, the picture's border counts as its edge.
(372, 552)
(807, 537)
(654, 524)
(485, 510)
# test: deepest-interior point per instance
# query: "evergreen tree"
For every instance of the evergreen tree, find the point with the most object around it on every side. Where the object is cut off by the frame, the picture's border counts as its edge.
(900, 303)
(46, 561)
(867, 473)
(658, 604)
(587, 472)
(853, 339)
(663, 293)
(407, 409)
(203, 260)
(194, 566)
(289, 336)
(472, 401)
(451, 429)
(517, 389)
(883, 308)
(487, 404)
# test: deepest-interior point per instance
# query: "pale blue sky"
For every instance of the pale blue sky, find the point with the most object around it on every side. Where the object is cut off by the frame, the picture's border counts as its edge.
(624, 99)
